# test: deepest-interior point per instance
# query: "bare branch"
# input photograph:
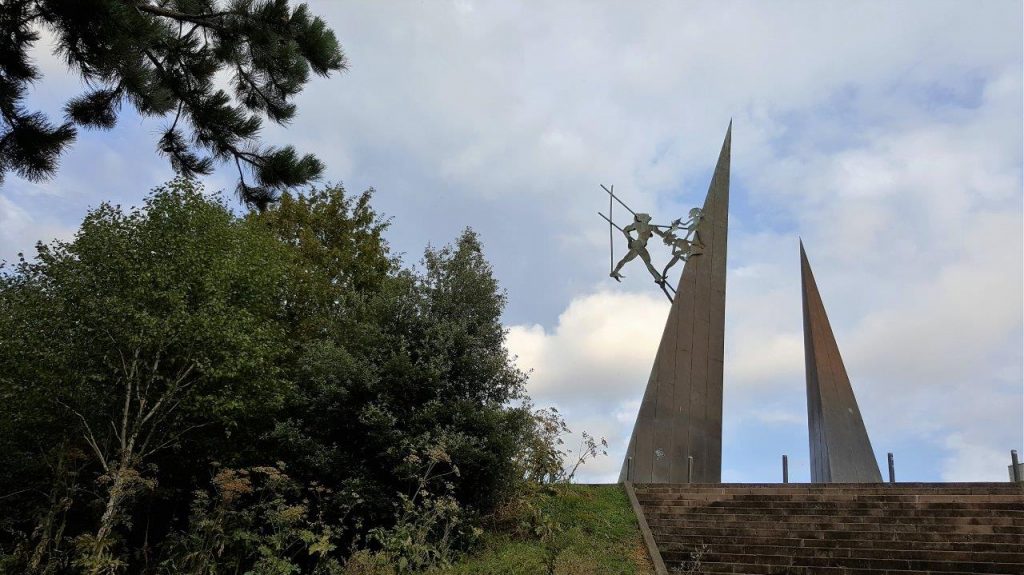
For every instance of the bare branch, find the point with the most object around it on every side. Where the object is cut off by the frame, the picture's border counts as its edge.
(89, 437)
(172, 439)
(127, 408)
(171, 389)
(17, 493)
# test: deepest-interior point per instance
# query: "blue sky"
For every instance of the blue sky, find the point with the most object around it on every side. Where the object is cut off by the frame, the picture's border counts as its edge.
(888, 135)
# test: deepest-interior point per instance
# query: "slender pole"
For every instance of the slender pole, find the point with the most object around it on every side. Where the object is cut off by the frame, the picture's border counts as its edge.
(689, 469)
(610, 221)
(785, 469)
(612, 194)
(892, 469)
(1016, 466)
(668, 295)
(611, 232)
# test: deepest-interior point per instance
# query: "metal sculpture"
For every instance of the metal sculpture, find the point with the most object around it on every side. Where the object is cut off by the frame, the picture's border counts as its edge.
(682, 248)
(678, 431)
(840, 449)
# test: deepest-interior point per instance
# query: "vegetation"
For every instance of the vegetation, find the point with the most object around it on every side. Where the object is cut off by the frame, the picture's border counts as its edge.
(161, 58)
(561, 530)
(187, 390)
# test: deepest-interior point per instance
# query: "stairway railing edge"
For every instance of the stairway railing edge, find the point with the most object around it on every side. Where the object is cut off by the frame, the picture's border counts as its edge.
(645, 530)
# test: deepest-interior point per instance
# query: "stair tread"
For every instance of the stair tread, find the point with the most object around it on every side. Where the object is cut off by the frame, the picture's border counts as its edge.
(845, 529)
(797, 542)
(1014, 557)
(759, 569)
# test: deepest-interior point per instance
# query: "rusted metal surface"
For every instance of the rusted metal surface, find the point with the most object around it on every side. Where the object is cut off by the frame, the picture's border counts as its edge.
(681, 412)
(840, 449)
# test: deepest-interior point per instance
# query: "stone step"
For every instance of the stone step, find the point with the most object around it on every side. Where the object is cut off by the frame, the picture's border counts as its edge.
(841, 529)
(901, 485)
(850, 489)
(813, 531)
(881, 510)
(784, 561)
(937, 544)
(756, 569)
(670, 526)
(838, 518)
(861, 501)
(682, 551)
(837, 497)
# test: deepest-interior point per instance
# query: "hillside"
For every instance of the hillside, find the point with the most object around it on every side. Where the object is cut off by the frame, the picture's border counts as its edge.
(562, 530)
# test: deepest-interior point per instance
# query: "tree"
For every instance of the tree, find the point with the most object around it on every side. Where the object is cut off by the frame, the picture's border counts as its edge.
(179, 379)
(161, 57)
(148, 341)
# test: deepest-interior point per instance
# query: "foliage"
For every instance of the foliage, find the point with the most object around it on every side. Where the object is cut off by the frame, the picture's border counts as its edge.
(123, 343)
(694, 565)
(593, 532)
(404, 360)
(161, 58)
(543, 457)
(288, 352)
(428, 525)
(256, 520)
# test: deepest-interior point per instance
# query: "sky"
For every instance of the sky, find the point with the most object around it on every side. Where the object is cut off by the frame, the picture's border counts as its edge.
(886, 135)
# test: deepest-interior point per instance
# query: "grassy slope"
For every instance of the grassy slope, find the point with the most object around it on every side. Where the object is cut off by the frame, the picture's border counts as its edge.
(563, 530)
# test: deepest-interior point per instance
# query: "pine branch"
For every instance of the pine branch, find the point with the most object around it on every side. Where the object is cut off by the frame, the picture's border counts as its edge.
(200, 19)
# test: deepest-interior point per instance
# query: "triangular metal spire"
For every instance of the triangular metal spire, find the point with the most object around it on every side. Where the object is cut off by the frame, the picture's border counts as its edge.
(840, 448)
(681, 412)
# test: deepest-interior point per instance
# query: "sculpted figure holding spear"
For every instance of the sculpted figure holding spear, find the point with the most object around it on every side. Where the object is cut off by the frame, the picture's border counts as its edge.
(638, 245)
(641, 230)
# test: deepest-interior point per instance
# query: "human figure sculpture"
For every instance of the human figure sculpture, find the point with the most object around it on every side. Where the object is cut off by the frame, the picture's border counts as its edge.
(638, 245)
(692, 226)
(684, 247)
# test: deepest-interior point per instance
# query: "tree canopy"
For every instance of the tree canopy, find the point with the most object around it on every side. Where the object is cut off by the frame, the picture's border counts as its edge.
(186, 390)
(164, 58)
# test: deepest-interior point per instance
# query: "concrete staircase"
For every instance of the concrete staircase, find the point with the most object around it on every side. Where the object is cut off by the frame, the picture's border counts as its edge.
(842, 529)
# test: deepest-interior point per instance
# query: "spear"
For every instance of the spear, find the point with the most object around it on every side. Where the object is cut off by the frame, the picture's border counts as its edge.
(611, 239)
(607, 219)
(612, 194)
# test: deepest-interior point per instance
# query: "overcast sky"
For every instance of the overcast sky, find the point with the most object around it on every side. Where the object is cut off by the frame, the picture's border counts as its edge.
(888, 135)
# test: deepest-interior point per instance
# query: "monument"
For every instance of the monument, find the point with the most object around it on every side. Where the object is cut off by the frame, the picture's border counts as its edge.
(840, 449)
(678, 431)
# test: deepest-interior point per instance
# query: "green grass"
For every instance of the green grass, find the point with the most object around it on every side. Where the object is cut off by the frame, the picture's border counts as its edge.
(562, 530)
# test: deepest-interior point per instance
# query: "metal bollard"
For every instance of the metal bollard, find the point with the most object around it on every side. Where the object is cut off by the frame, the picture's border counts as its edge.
(1016, 466)
(785, 469)
(892, 469)
(689, 469)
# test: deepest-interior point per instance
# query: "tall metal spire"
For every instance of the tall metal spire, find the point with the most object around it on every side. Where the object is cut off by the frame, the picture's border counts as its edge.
(840, 448)
(681, 413)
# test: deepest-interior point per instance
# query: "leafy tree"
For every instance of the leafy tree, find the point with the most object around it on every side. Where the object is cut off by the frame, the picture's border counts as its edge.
(172, 357)
(162, 57)
(403, 360)
(147, 341)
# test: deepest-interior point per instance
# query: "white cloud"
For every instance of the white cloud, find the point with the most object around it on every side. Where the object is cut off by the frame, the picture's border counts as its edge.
(780, 417)
(20, 230)
(887, 135)
(915, 236)
(599, 351)
(974, 461)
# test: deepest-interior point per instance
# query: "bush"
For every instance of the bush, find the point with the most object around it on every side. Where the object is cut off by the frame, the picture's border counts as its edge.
(178, 338)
